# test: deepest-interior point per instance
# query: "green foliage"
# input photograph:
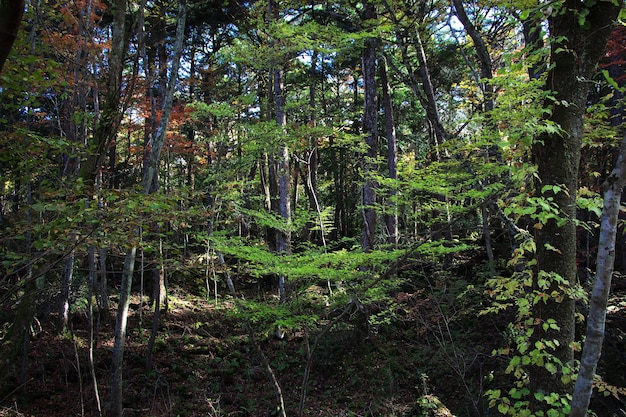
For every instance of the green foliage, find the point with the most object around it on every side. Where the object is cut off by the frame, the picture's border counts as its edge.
(265, 317)
(523, 291)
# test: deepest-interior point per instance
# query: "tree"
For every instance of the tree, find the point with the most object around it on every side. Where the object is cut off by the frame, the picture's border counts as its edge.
(598, 301)
(111, 111)
(11, 12)
(391, 218)
(370, 129)
(578, 36)
(191, 131)
(149, 186)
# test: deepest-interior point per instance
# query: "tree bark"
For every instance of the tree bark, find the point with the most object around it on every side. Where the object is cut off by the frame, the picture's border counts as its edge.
(11, 12)
(486, 65)
(68, 274)
(370, 129)
(150, 178)
(116, 406)
(486, 74)
(575, 52)
(598, 302)
(110, 117)
(429, 90)
(391, 217)
(148, 188)
(283, 238)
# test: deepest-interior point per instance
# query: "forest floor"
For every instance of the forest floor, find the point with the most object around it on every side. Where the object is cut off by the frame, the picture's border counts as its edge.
(206, 363)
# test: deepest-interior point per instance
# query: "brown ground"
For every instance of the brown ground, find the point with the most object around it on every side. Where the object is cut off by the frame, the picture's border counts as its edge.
(205, 364)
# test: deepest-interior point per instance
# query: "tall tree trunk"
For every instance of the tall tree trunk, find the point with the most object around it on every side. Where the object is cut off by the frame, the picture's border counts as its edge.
(68, 274)
(91, 286)
(370, 129)
(391, 218)
(150, 178)
(283, 238)
(311, 179)
(596, 319)
(116, 406)
(148, 185)
(110, 117)
(430, 101)
(492, 151)
(575, 52)
(482, 52)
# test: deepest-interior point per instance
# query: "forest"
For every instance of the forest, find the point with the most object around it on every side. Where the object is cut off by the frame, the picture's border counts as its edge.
(300, 208)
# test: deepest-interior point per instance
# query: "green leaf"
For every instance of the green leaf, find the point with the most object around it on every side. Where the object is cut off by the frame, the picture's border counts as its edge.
(550, 367)
(503, 408)
(551, 248)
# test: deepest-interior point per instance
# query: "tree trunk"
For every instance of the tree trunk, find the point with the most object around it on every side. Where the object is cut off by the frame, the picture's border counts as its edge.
(283, 238)
(116, 406)
(11, 12)
(598, 302)
(391, 217)
(64, 297)
(370, 129)
(311, 174)
(482, 52)
(148, 188)
(575, 52)
(110, 117)
(429, 91)
(486, 74)
(91, 286)
(150, 179)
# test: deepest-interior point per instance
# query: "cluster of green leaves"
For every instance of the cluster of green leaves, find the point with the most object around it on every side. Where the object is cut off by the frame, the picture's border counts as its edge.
(524, 350)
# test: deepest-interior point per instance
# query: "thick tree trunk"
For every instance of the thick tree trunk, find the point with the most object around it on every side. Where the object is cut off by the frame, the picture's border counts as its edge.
(575, 53)
(391, 217)
(11, 12)
(370, 129)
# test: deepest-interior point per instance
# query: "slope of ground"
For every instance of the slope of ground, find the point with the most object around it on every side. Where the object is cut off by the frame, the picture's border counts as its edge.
(207, 362)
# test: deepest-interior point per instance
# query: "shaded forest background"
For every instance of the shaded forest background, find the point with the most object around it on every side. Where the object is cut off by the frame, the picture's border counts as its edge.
(306, 208)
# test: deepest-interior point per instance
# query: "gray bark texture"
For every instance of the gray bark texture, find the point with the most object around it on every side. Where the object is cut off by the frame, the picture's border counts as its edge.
(150, 179)
(598, 302)
(116, 406)
(370, 129)
(391, 218)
